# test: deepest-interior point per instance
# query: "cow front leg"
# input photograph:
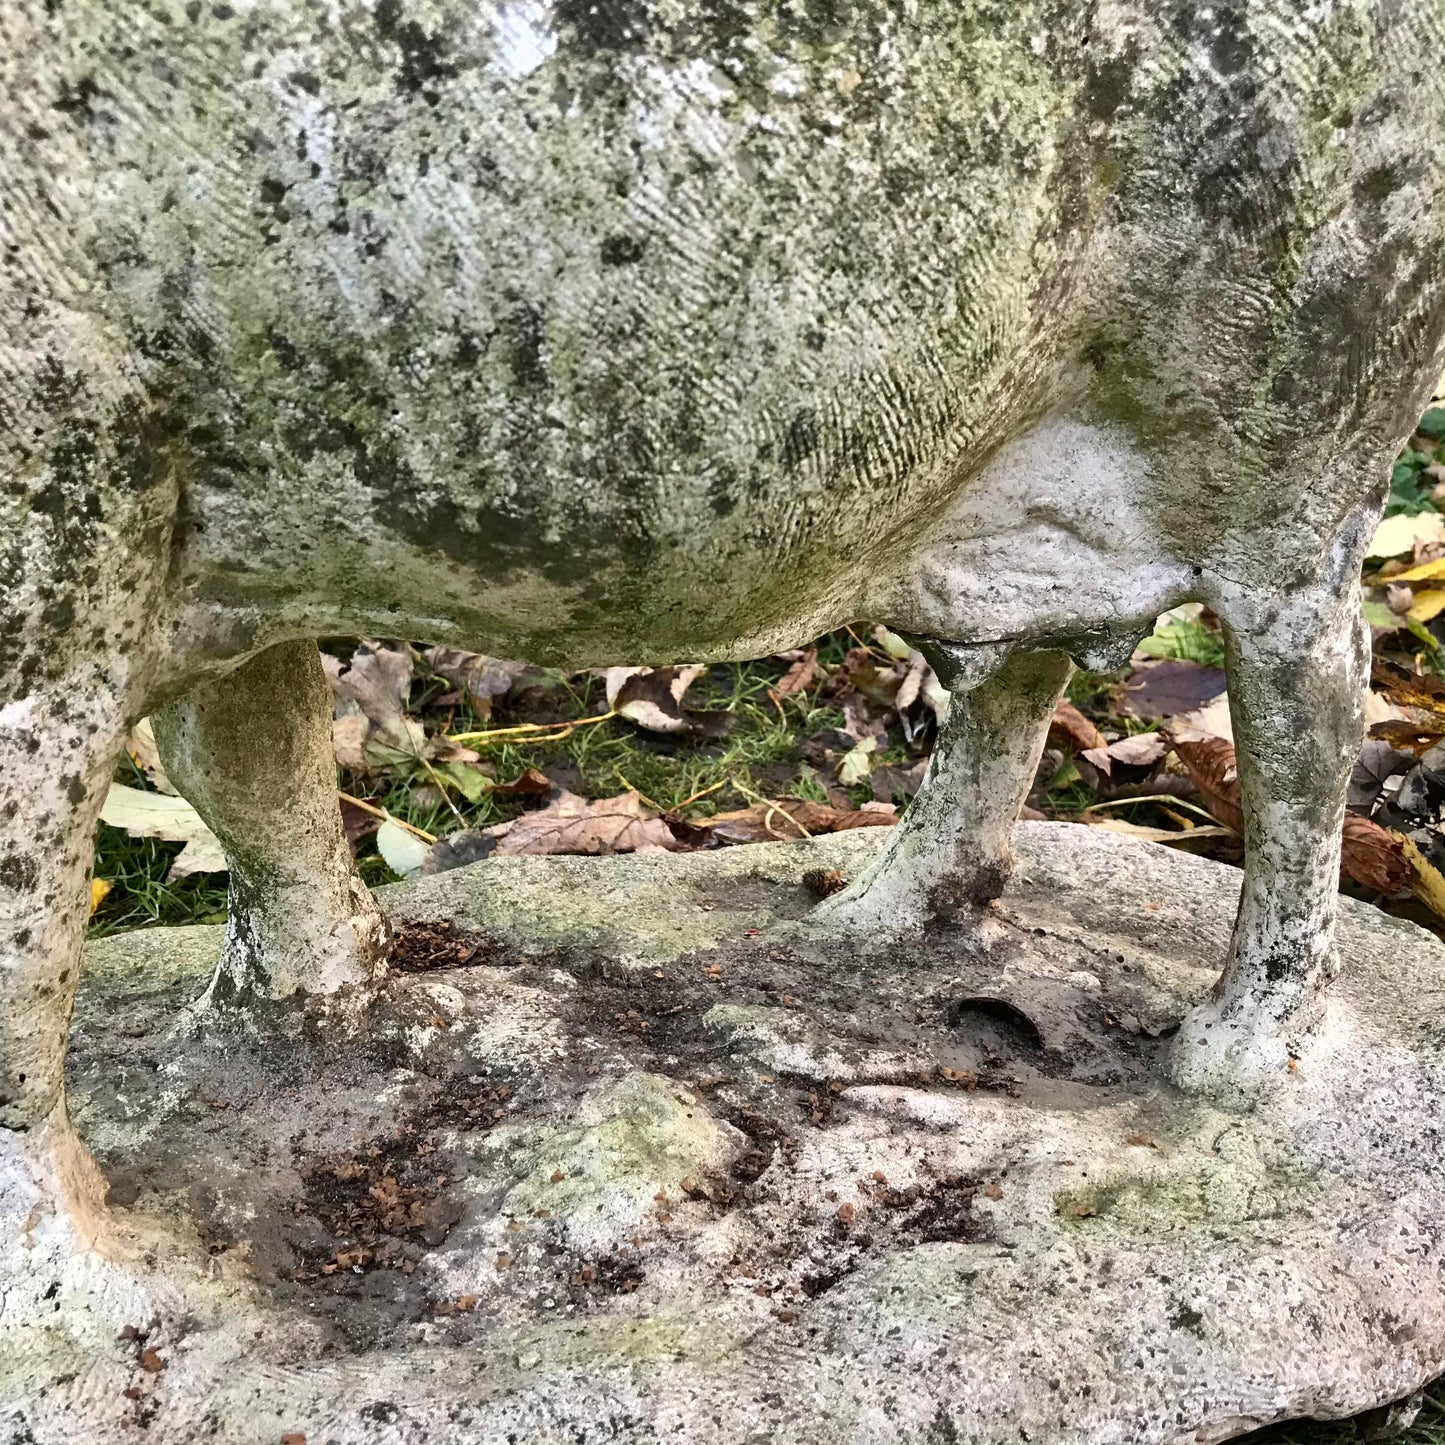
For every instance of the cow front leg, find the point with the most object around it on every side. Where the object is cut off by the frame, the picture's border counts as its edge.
(1297, 669)
(252, 753)
(951, 853)
(58, 747)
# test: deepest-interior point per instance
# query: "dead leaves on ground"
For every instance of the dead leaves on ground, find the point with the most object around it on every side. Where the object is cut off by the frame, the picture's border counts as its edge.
(571, 824)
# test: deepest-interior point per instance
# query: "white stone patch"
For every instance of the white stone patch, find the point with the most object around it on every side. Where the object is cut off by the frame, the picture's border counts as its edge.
(524, 40)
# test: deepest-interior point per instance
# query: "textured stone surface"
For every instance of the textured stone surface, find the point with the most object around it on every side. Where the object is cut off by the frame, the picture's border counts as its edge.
(706, 1184)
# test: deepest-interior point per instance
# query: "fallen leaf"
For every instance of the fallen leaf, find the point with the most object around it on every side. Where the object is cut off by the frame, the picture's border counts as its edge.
(348, 738)
(357, 822)
(155, 815)
(1211, 764)
(403, 851)
(912, 684)
(1072, 732)
(1427, 605)
(1378, 762)
(1409, 689)
(377, 681)
(1405, 735)
(481, 678)
(1374, 857)
(1429, 884)
(471, 782)
(856, 763)
(788, 818)
(151, 1362)
(530, 782)
(141, 745)
(1400, 534)
(651, 697)
(569, 824)
(1170, 687)
(799, 675)
(1214, 720)
(99, 888)
(1426, 572)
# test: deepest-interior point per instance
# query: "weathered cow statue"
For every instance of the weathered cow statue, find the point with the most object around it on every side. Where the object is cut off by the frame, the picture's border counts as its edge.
(608, 331)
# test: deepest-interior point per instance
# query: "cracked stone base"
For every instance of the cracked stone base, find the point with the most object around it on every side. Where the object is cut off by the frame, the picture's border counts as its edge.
(660, 1160)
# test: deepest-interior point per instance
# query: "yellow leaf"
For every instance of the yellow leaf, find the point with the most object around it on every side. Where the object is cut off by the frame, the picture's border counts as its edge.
(1427, 604)
(1397, 535)
(1429, 885)
(99, 887)
(1426, 572)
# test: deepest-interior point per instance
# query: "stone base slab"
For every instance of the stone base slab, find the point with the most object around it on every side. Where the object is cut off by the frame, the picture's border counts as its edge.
(647, 1157)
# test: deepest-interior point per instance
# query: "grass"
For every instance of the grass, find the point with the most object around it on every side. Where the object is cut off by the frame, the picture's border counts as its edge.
(1428, 1429)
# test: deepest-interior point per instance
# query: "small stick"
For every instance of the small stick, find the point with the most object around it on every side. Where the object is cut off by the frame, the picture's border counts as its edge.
(656, 807)
(773, 807)
(680, 806)
(375, 812)
(1155, 798)
(526, 732)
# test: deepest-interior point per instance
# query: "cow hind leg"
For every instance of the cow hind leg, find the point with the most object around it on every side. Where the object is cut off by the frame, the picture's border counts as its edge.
(58, 746)
(950, 854)
(1297, 669)
(252, 753)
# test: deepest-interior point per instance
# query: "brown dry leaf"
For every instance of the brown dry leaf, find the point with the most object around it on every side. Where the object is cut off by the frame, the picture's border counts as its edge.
(1369, 855)
(481, 678)
(651, 697)
(348, 738)
(569, 824)
(1072, 732)
(1170, 687)
(1374, 857)
(531, 781)
(1410, 689)
(151, 1362)
(788, 818)
(1211, 764)
(799, 675)
(1405, 735)
(377, 681)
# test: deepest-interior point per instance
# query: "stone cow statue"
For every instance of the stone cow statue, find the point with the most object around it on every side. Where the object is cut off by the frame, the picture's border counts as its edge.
(603, 331)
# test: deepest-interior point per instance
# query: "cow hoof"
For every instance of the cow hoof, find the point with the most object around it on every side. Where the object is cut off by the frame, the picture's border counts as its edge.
(52, 1195)
(1230, 1060)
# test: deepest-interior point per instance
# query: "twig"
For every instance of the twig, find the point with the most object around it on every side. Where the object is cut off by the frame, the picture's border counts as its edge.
(375, 812)
(1155, 798)
(656, 807)
(442, 788)
(528, 732)
(677, 808)
(772, 807)
(868, 647)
